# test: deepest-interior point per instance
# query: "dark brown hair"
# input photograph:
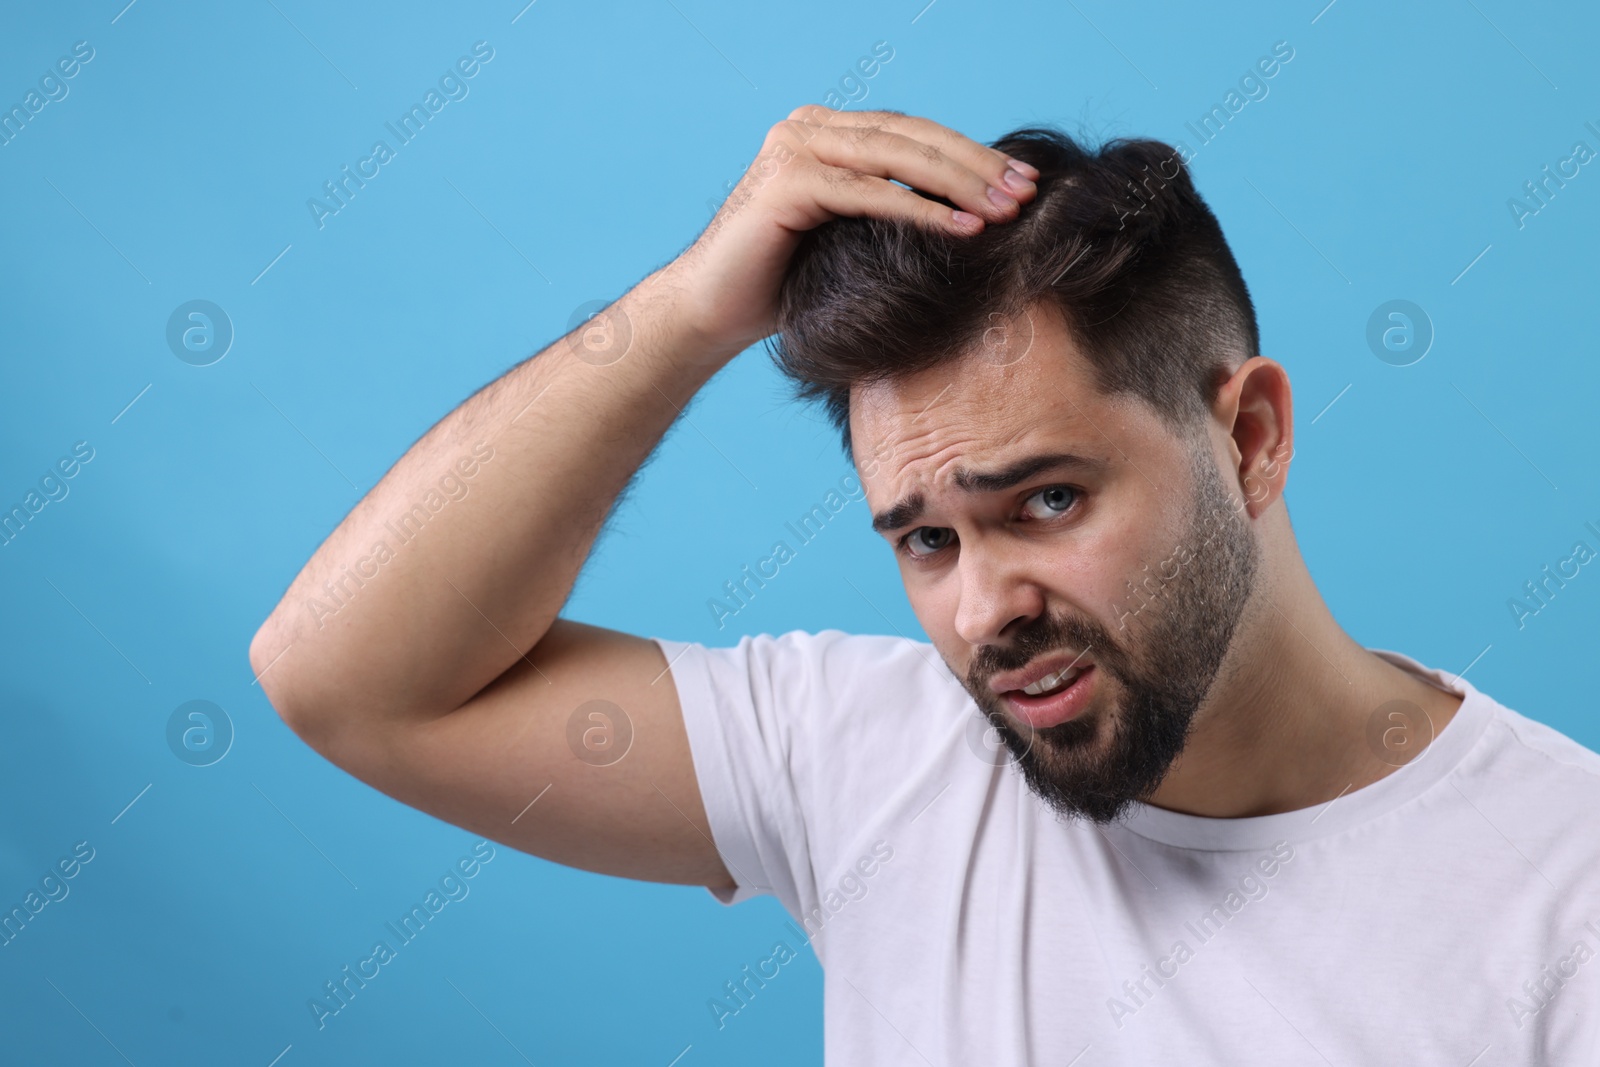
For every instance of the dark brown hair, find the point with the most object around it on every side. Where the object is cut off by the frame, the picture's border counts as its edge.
(1117, 238)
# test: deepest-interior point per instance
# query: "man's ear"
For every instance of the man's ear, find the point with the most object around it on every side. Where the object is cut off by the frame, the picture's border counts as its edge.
(1255, 407)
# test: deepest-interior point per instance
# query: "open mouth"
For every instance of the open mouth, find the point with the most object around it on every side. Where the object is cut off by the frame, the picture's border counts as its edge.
(1053, 699)
(1054, 683)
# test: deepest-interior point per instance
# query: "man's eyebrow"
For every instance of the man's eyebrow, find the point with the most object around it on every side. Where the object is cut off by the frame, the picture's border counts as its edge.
(910, 509)
(1022, 470)
(902, 514)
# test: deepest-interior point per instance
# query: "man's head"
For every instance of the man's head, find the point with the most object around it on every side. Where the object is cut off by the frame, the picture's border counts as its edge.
(1056, 422)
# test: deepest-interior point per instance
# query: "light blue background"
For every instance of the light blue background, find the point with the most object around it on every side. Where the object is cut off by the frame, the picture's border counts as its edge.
(1378, 167)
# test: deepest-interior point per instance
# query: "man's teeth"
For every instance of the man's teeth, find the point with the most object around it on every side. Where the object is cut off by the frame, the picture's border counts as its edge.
(1051, 681)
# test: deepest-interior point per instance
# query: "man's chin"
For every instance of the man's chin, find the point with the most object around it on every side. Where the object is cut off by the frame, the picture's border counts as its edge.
(1073, 768)
(1088, 796)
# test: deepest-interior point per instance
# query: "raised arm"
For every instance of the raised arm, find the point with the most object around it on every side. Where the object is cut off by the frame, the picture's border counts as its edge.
(420, 648)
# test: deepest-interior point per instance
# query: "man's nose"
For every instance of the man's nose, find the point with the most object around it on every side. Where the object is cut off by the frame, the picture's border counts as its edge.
(996, 597)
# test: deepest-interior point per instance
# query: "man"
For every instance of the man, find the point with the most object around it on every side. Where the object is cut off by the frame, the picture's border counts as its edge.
(1213, 827)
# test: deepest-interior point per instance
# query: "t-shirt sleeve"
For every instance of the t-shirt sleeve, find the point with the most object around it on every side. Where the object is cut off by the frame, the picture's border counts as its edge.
(803, 742)
(741, 709)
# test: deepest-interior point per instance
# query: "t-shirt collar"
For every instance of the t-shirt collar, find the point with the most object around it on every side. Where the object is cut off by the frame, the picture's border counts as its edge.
(1388, 793)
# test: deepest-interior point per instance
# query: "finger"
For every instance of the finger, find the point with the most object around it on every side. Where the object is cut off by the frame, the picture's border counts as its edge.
(855, 193)
(877, 151)
(991, 163)
(980, 157)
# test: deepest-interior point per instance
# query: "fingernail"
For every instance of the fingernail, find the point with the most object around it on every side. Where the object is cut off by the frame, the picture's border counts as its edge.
(1016, 182)
(1000, 199)
(1027, 170)
(965, 220)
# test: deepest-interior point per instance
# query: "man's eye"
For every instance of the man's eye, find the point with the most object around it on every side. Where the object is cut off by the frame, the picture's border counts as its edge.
(1050, 502)
(926, 540)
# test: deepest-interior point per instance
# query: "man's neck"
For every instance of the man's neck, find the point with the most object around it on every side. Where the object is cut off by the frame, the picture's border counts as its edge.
(1286, 723)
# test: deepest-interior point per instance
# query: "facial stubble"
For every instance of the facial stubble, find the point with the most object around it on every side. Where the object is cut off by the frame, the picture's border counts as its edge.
(1173, 643)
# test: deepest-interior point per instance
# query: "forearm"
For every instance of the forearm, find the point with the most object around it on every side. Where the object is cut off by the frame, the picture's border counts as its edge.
(461, 557)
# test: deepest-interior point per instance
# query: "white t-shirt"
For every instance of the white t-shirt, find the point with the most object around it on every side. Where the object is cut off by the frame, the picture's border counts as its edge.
(1446, 914)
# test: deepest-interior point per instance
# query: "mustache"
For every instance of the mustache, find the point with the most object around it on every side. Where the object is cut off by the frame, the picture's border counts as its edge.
(1045, 634)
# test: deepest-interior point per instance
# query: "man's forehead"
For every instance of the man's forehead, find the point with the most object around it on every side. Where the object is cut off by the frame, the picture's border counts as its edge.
(971, 411)
(945, 392)
(1022, 364)
(907, 419)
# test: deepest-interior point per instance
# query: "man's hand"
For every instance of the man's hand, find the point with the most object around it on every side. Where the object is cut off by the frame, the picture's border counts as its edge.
(819, 164)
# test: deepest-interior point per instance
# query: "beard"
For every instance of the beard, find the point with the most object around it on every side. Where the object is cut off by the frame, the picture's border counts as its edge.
(1098, 764)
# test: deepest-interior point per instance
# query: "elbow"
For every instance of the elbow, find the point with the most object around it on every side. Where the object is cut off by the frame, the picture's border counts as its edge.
(295, 682)
(270, 652)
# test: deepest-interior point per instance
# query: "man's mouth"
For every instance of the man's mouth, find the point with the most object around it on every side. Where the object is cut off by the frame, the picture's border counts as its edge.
(1043, 674)
(1053, 699)
(1053, 682)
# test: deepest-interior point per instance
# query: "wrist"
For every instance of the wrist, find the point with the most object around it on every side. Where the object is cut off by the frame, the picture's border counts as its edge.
(664, 316)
